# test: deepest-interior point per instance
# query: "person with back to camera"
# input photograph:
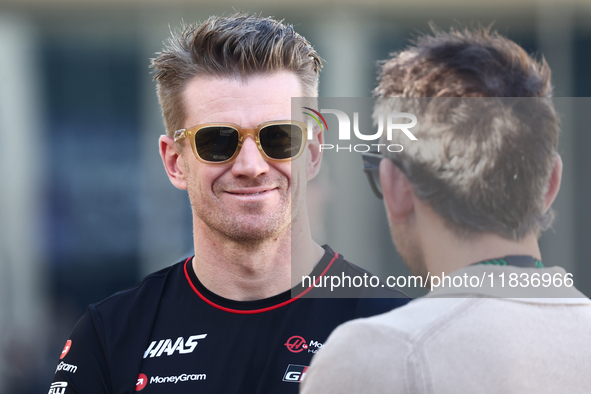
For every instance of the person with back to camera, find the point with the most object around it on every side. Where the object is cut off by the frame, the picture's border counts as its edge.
(468, 200)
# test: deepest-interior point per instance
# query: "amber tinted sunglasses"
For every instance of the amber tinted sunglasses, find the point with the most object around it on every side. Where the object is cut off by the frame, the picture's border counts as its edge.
(220, 143)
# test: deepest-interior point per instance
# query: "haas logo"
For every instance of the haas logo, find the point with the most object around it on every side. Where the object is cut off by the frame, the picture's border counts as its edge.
(169, 346)
(296, 344)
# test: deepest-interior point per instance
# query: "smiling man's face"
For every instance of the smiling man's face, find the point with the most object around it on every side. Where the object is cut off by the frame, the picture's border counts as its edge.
(250, 198)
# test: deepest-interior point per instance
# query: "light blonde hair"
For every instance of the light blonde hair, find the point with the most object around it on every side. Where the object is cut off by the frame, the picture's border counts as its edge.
(237, 46)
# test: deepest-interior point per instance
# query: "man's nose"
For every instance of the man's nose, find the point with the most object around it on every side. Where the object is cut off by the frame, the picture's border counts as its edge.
(250, 161)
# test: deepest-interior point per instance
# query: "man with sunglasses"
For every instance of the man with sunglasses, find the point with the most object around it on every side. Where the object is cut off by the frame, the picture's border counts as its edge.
(466, 204)
(233, 318)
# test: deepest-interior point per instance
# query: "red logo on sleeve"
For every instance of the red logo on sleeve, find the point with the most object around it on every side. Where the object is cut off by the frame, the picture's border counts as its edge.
(142, 381)
(66, 349)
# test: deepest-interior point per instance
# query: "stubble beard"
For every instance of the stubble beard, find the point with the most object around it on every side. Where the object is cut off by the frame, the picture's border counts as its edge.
(254, 224)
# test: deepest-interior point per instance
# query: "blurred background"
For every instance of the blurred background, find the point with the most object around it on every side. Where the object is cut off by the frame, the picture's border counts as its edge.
(86, 208)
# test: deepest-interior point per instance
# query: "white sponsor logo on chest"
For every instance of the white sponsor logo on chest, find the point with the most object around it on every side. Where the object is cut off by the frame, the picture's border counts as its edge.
(169, 346)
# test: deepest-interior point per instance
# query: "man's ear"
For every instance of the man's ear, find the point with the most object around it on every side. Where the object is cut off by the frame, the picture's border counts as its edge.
(397, 191)
(172, 162)
(553, 182)
(313, 153)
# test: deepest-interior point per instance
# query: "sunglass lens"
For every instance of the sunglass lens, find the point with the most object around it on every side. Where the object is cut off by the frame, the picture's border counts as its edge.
(216, 144)
(281, 141)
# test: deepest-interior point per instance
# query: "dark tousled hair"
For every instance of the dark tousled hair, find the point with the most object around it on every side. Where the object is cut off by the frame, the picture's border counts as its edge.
(489, 131)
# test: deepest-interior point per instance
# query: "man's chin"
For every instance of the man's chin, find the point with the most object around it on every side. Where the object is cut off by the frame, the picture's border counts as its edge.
(252, 237)
(252, 234)
(244, 227)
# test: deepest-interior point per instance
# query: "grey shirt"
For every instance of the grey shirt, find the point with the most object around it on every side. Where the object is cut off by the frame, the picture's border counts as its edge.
(465, 340)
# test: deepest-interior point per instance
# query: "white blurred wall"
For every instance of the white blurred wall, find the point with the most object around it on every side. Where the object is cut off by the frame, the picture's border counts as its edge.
(22, 265)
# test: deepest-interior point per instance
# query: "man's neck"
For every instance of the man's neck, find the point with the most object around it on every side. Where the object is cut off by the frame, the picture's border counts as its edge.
(252, 271)
(444, 251)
